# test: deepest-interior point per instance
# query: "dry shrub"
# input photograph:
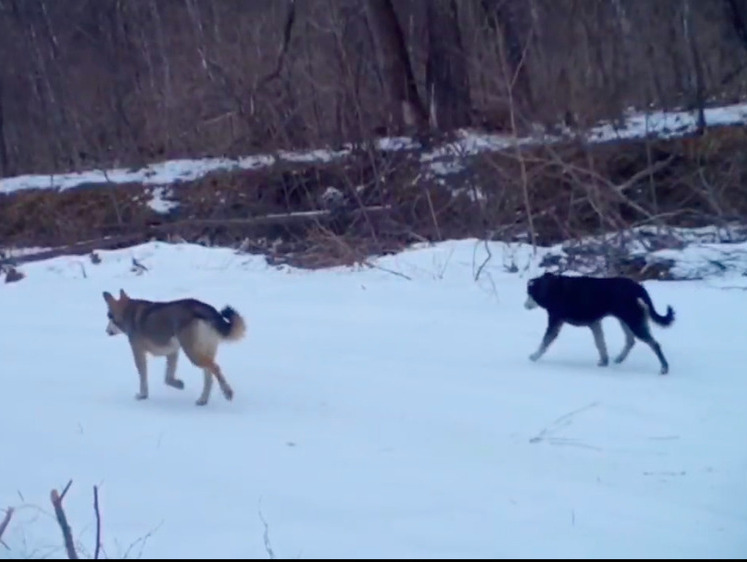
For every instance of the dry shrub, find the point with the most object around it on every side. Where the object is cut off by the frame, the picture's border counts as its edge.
(382, 200)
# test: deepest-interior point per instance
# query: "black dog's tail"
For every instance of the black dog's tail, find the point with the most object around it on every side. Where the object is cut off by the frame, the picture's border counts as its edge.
(648, 306)
(230, 324)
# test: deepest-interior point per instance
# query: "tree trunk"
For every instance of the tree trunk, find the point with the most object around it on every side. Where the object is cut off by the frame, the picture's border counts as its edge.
(738, 13)
(446, 79)
(4, 164)
(406, 108)
(696, 72)
(509, 20)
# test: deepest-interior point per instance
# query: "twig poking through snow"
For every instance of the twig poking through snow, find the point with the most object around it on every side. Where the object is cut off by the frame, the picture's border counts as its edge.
(62, 520)
(141, 541)
(485, 262)
(64, 491)
(562, 421)
(5, 521)
(98, 521)
(397, 273)
(138, 267)
(266, 536)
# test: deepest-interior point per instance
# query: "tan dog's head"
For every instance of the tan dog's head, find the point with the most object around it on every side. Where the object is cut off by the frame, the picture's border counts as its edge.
(115, 312)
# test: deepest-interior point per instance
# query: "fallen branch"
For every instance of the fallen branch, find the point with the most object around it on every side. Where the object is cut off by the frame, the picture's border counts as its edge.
(272, 219)
(123, 240)
(78, 248)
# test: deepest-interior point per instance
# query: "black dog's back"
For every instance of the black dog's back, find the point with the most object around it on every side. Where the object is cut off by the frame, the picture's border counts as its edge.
(583, 300)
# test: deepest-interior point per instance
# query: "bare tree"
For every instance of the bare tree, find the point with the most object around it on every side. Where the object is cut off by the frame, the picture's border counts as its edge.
(4, 162)
(696, 74)
(406, 108)
(511, 21)
(93, 82)
(447, 81)
(738, 18)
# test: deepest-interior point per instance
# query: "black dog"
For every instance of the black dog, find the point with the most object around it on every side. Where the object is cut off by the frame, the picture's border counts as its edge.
(585, 301)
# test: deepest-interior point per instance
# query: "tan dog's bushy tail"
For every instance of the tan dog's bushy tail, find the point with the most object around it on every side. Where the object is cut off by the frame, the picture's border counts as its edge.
(230, 325)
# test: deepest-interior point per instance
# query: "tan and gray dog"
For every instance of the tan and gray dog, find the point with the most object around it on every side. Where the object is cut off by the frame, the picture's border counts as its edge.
(163, 328)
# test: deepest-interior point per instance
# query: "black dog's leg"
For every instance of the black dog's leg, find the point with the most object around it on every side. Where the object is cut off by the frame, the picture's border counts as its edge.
(629, 342)
(553, 329)
(596, 329)
(643, 333)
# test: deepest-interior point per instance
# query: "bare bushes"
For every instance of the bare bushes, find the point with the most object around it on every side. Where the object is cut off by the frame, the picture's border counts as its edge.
(370, 201)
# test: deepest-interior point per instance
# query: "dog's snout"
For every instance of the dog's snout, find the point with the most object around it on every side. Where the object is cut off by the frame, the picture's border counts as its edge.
(112, 329)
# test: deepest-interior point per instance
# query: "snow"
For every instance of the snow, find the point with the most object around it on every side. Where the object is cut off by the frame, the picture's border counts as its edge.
(446, 159)
(375, 415)
(159, 202)
(667, 124)
(442, 160)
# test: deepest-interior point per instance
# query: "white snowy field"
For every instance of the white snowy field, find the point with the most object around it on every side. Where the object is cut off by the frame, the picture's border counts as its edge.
(374, 416)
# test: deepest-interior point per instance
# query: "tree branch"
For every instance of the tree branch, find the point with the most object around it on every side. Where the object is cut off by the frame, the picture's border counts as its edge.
(289, 20)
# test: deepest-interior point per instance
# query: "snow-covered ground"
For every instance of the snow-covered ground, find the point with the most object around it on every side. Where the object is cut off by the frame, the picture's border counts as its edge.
(693, 253)
(376, 415)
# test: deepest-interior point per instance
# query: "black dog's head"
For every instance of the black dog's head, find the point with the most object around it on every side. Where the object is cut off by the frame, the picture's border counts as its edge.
(538, 290)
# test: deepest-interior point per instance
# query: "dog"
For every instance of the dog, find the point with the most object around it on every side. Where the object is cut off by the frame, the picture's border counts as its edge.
(585, 301)
(163, 328)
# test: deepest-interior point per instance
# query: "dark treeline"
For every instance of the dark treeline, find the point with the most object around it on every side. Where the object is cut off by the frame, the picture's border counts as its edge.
(89, 83)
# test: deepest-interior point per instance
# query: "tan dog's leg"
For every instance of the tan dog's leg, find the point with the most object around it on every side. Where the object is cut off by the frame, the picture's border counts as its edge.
(211, 368)
(171, 380)
(200, 345)
(142, 369)
(207, 385)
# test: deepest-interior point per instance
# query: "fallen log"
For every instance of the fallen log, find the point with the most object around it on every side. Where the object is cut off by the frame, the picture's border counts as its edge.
(154, 229)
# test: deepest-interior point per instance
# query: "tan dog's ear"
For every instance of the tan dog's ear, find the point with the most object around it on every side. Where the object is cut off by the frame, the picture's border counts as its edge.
(123, 295)
(108, 297)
